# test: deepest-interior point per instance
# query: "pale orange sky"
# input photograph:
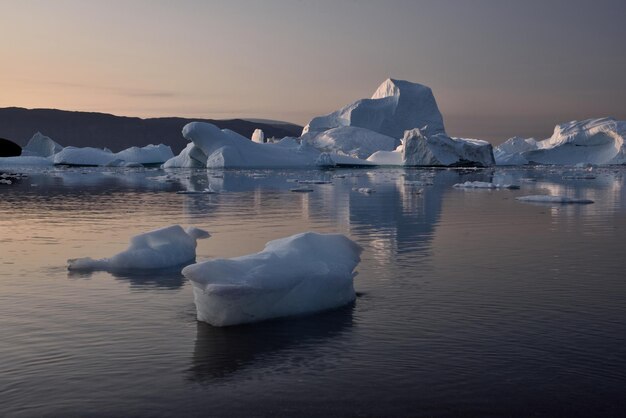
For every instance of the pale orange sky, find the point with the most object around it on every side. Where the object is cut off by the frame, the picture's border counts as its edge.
(496, 69)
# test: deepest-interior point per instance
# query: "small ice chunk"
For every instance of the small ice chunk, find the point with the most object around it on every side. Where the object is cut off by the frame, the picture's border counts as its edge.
(166, 247)
(297, 275)
(364, 190)
(301, 190)
(552, 199)
(484, 185)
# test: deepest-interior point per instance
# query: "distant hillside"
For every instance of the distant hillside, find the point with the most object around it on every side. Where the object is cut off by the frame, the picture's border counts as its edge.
(87, 129)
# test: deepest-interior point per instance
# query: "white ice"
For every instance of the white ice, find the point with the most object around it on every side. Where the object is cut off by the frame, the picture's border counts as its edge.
(300, 274)
(591, 141)
(396, 106)
(217, 148)
(166, 247)
(89, 156)
(352, 141)
(484, 185)
(552, 199)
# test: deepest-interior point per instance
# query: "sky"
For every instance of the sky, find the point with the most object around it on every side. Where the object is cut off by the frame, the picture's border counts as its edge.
(497, 68)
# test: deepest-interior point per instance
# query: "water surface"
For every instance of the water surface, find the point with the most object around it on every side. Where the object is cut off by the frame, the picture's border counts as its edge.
(470, 302)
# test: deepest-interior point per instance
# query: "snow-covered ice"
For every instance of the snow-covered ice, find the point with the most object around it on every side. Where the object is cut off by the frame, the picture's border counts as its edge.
(300, 274)
(166, 247)
(510, 151)
(552, 199)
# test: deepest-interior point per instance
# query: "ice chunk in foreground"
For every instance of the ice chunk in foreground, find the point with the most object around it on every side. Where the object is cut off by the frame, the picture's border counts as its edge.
(395, 107)
(41, 146)
(552, 199)
(300, 274)
(166, 247)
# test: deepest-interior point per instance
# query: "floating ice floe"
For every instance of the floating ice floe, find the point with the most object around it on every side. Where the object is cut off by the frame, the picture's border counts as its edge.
(162, 248)
(300, 274)
(552, 199)
(484, 185)
(364, 190)
(591, 141)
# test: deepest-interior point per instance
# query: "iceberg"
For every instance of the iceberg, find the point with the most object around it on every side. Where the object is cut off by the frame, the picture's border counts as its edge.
(88, 156)
(510, 151)
(353, 141)
(150, 154)
(442, 150)
(41, 146)
(215, 148)
(162, 248)
(297, 275)
(591, 141)
(396, 106)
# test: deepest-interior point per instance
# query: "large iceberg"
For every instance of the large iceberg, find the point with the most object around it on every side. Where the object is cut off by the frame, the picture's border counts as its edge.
(25, 161)
(395, 107)
(301, 274)
(166, 247)
(41, 146)
(215, 148)
(591, 141)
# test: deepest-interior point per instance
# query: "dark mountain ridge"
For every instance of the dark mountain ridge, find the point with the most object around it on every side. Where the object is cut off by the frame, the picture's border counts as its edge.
(91, 129)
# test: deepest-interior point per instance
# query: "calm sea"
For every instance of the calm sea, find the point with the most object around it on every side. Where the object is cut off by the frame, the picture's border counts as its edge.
(470, 303)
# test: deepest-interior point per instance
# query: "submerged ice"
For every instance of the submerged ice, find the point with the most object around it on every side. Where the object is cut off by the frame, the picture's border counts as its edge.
(162, 248)
(300, 274)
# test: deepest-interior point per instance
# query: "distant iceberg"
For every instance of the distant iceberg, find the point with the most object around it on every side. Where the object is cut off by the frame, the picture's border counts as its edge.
(162, 248)
(591, 141)
(300, 274)
(88, 156)
(41, 146)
